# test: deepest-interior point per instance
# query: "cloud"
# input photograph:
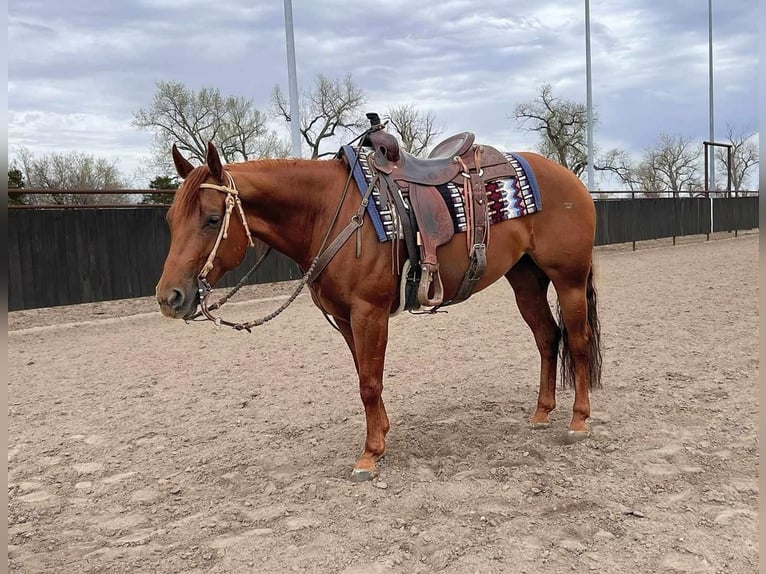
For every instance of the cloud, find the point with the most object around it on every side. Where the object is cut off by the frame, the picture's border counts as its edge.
(78, 70)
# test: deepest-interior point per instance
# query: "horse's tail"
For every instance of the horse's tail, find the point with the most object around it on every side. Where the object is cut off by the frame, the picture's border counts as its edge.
(594, 342)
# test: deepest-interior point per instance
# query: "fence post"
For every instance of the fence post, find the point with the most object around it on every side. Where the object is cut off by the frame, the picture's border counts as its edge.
(633, 197)
(675, 218)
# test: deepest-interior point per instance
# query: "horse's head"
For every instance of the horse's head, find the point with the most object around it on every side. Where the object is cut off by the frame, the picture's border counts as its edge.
(196, 219)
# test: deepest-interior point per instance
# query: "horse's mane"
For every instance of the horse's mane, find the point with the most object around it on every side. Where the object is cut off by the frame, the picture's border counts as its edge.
(263, 161)
(275, 162)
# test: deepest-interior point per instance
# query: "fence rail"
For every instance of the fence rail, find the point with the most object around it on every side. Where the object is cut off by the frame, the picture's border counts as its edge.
(61, 255)
(597, 195)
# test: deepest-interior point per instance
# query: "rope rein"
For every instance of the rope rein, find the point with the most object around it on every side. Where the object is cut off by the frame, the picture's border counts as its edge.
(236, 288)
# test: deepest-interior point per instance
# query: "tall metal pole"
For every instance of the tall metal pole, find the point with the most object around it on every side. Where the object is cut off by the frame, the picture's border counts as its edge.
(712, 123)
(710, 67)
(589, 101)
(292, 76)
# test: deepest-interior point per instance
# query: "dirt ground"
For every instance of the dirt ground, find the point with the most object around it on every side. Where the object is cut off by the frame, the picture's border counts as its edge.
(138, 444)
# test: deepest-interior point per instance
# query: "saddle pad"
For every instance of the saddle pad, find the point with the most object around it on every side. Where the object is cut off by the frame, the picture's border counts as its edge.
(507, 198)
(515, 196)
(384, 228)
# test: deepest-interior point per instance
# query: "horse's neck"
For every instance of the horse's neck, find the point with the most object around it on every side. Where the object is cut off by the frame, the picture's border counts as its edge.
(288, 204)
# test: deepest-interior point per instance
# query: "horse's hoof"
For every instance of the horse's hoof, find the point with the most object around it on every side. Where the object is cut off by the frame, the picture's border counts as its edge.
(362, 475)
(540, 426)
(573, 436)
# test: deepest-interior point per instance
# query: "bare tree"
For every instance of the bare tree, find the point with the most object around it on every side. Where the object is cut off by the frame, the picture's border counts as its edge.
(744, 155)
(641, 176)
(416, 130)
(191, 118)
(645, 177)
(331, 106)
(562, 126)
(672, 163)
(563, 129)
(73, 170)
(619, 162)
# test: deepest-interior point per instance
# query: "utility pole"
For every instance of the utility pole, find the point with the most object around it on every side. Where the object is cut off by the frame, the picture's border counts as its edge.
(710, 67)
(292, 76)
(589, 102)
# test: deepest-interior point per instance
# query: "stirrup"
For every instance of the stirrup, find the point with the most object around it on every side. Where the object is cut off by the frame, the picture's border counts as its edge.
(430, 274)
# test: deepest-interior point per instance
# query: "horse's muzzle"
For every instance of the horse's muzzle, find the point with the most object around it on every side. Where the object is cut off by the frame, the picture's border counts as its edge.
(177, 303)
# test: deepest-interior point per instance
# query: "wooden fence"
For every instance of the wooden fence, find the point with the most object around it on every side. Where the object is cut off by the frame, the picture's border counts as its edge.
(67, 256)
(63, 256)
(627, 220)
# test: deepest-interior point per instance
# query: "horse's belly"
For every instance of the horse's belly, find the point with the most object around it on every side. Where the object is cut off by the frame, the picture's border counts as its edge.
(508, 241)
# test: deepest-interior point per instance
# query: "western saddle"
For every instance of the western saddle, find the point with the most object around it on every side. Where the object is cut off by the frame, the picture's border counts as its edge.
(428, 224)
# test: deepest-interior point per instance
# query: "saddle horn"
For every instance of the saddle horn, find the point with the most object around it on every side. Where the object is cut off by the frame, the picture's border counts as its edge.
(379, 139)
(374, 120)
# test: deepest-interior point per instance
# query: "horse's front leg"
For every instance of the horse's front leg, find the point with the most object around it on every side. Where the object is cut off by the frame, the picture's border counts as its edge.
(367, 337)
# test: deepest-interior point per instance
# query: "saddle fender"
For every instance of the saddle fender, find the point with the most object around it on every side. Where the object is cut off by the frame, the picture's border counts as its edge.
(435, 228)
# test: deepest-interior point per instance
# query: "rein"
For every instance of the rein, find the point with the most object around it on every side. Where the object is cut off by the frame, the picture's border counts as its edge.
(236, 288)
(322, 259)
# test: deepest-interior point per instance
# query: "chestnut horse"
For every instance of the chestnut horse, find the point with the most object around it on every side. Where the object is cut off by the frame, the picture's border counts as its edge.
(290, 204)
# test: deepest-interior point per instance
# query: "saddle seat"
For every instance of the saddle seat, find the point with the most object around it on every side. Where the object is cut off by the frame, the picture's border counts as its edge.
(453, 146)
(439, 168)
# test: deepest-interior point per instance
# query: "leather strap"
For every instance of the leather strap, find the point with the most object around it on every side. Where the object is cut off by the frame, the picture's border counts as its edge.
(478, 235)
(357, 220)
(476, 266)
(479, 199)
(332, 250)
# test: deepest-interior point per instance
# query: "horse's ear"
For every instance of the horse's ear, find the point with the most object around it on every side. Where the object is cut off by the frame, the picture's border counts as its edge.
(213, 161)
(183, 166)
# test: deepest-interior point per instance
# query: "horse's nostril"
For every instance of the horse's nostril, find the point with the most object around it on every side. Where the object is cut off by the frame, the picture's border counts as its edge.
(176, 299)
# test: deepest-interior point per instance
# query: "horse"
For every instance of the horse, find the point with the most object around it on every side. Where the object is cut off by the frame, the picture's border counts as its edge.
(295, 205)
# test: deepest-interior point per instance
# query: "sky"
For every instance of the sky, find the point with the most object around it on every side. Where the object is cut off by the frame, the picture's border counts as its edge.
(78, 70)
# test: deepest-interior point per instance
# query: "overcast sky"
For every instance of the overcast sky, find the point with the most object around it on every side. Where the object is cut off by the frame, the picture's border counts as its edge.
(79, 69)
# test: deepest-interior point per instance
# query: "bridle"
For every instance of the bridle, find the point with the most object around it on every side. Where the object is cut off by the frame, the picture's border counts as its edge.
(232, 200)
(204, 288)
(321, 261)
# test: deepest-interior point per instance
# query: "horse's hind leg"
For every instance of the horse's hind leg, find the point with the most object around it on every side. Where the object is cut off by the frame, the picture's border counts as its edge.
(579, 343)
(530, 285)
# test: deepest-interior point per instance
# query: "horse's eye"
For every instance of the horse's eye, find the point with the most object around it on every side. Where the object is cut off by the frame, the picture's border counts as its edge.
(213, 221)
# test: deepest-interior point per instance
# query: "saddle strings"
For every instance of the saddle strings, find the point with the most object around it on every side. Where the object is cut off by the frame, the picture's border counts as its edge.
(467, 204)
